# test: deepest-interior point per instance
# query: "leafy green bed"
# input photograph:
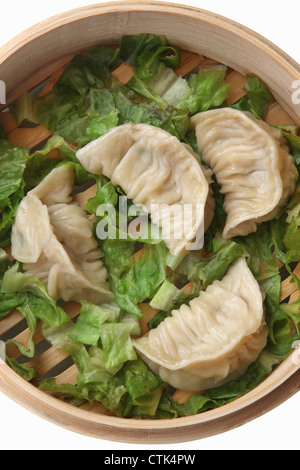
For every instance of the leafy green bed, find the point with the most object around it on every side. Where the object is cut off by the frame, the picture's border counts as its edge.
(84, 104)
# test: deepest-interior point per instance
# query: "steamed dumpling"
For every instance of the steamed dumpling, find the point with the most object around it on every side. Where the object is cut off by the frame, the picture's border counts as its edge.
(54, 239)
(210, 205)
(157, 171)
(214, 339)
(252, 165)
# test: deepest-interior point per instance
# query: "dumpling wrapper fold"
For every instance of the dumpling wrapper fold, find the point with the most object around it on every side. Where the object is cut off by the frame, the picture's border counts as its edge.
(252, 165)
(213, 339)
(54, 239)
(156, 171)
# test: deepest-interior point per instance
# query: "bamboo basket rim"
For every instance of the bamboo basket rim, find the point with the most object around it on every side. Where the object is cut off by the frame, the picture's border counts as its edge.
(282, 375)
(75, 14)
(291, 365)
(126, 6)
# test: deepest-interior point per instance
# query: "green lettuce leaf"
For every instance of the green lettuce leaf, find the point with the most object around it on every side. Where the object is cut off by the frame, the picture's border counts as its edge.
(170, 119)
(4, 262)
(118, 218)
(86, 102)
(84, 73)
(29, 296)
(93, 383)
(180, 299)
(133, 46)
(109, 371)
(208, 90)
(202, 271)
(293, 141)
(39, 164)
(169, 408)
(87, 328)
(134, 280)
(31, 320)
(39, 301)
(8, 301)
(67, 113)
(12, 165)
(105, 55)
(106, 194)
(116, 343)
(60, 337)
(260, 253)
(258, 97)
(155, 81)
(286, 239)
(26, 372)
(107, 327)
(144, 389)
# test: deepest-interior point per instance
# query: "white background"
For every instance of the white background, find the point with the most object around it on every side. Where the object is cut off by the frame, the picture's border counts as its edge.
(278, 429)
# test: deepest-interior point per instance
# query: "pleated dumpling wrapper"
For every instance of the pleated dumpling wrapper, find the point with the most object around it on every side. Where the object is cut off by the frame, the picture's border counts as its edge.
(158, 172)
(54, 239)
(213, 339)
(251, 163)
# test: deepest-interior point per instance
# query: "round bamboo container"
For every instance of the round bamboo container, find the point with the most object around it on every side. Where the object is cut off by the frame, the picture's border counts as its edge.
(39, 53)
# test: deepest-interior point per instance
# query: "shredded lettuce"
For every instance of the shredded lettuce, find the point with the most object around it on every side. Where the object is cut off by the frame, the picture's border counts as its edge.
(8, 301)
(169, 408)
(208, 90)
(134, 280)
(126, 222)
(174, 304)
(24, 292)
(85, 103)
(203, 270)
(44, 307)
(84, 73)
(55, 152)
(12, 165)
(259, 96)
(199, 92)
(109, 371)
(94, 382)
(133, 46)
(166, 294)
(87, 327)
(26, 372)
(257, 99)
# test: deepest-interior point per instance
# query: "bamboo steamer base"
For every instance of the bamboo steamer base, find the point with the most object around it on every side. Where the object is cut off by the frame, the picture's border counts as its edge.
(129, 18)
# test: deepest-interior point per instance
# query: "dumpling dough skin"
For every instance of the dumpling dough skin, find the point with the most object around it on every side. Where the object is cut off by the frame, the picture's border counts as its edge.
(154, 168)
(252, 165)
(214, 339)
(54, 239)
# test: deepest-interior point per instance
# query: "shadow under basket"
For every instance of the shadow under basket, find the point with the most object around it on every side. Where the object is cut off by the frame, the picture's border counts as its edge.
(34, 61)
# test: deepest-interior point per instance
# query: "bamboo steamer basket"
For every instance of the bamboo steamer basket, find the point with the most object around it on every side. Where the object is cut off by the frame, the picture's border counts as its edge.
(40, 53)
